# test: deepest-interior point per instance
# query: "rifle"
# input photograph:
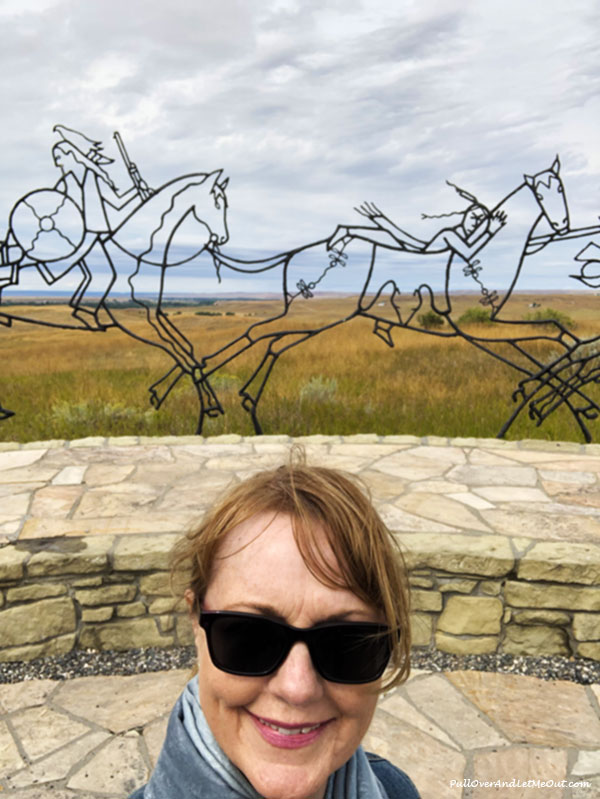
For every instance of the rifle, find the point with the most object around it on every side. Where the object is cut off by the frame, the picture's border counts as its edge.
(142, 187)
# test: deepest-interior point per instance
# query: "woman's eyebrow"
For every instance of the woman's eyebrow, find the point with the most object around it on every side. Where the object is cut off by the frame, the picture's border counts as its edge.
(270, 612)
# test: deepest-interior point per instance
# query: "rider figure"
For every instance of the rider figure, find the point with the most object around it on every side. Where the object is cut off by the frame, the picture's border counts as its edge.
(473, 232)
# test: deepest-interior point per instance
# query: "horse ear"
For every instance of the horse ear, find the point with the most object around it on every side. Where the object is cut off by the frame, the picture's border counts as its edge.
(556, 166)
(529, 180)
(215, 176)
(225, 184)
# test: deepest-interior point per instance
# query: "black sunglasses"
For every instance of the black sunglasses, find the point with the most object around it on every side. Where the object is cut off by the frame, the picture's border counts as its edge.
(254, 646)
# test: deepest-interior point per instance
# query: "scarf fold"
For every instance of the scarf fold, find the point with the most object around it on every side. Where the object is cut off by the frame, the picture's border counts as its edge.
(192, 765)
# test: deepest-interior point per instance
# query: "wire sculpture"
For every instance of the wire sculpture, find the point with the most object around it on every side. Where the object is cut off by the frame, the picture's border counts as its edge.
(85, 223)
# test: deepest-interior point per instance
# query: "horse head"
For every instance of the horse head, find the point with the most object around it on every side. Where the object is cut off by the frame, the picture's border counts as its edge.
(549, 192)
(215, 214)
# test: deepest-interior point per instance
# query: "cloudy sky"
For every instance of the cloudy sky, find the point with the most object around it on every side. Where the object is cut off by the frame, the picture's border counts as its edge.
(311, 106)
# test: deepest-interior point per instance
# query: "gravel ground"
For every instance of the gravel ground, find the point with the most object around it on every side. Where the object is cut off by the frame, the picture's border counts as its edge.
(85, 663)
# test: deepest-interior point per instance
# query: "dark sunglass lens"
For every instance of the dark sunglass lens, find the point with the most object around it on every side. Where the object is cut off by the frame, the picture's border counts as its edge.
(352, 653)
(245, 645)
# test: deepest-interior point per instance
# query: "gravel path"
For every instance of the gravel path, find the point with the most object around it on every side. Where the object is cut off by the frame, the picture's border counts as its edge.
(86, 663)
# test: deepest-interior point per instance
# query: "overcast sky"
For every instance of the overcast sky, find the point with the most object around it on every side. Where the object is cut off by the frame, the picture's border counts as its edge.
(310, 106)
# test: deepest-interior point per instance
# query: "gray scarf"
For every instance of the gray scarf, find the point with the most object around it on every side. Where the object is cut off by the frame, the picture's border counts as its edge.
(192, 765)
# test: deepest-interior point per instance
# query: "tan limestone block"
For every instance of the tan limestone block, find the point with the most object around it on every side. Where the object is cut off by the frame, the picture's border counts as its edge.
(420, 582)
(130, 610)
(421, 627)
(99, 474)
(531, 710)
(587, 763)
(407, 465)
(25, 624)
(561, 563)
(30, 474)
(535, 640)
(12, 561)
(437, 487)
(71, 556)
(70, 475)
(552, 617)
(586, 626)
(541, 595)
(54, 646)
(440, 701)
(551, 446)
(439, 452)
(459, 586)
(15, 505)
(165, 623)
(485, 457)
(55, 501)
(115, 769)
(57, 766)
(546, 526)
(96, 614)
(124, 634)
(155, 584)
(19, 695)
(518, 763)
(591, 651)
(441, 509)
(508, 493)
(185, 632)
(425, 600)
(166, 605)
(481, 645)
(490, 587)
(35, 591)
(106, 594)
(42, 730)
(481, 475)
(143, 552)
(119, 704)
(489, 555)
(471, 615)
(398, 520)
(10, 759)
(383, 487)
(86, 582)
(124, 499)
(154, 736)
(472, 500)
(414, 751)
(397, 706)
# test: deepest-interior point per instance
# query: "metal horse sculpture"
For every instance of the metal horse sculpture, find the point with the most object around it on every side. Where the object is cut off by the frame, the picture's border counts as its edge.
(84, 223)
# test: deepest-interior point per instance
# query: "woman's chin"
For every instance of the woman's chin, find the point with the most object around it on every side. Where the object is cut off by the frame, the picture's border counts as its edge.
(288, 782)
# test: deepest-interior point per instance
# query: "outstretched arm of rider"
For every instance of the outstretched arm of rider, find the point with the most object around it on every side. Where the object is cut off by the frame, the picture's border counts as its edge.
(372, 212)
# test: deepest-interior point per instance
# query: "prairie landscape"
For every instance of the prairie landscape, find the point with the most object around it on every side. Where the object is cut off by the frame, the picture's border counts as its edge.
(75, 383)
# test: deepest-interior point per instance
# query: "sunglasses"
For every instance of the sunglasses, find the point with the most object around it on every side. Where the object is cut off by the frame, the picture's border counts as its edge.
(254, 646)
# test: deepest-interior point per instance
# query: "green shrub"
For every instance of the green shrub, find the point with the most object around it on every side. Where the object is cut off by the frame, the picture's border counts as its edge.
(550, 315)
(430, 320)
(475, 316)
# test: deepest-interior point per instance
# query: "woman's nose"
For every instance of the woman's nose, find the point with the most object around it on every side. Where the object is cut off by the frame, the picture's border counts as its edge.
(296, 681)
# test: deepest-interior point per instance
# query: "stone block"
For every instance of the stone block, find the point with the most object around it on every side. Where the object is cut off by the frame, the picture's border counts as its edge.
(86, 582)
(591, 651)
(421, 626)
(535, 640)
(26, 624)
(71, 556)
(465, 646)
(97, 614)
(586, 626)
(490, 587)
(184, 630)
(485, 555)
(471, 615)
(420, 582)
(561, 597)
(459, 586)
(554, 618)
(156, 584)
(561, 562)
(143, 552)
(425, 600)
(124, 635)
(166, 605)
(106, 594)
(130, 610)
(23, 593)
(12, 561)
(55, 646)
(165, 623)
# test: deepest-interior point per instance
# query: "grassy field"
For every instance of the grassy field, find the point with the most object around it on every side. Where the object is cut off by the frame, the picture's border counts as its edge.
(68, 384)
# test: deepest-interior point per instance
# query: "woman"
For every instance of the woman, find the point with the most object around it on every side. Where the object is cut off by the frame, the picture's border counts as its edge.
(299, 602)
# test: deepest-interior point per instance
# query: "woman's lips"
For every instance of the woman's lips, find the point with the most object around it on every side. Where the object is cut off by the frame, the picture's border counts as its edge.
(287, 736)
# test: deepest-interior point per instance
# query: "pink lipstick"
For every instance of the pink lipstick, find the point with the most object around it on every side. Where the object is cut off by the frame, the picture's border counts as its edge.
(287, 736)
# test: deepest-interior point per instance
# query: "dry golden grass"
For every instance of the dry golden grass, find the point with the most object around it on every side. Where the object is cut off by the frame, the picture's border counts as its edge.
(66, 384)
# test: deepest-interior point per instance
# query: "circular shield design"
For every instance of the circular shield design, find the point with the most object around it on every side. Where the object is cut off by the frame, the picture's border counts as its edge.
(47, 224)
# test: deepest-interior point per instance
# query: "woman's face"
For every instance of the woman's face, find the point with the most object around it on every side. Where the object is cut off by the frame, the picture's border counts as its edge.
(473, 218)
(268, 577)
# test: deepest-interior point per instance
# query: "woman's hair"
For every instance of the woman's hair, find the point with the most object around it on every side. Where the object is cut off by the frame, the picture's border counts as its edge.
(319, 501)
(69, 149)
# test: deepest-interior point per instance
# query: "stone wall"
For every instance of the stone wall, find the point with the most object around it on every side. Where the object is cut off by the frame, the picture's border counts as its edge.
(471, 595)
